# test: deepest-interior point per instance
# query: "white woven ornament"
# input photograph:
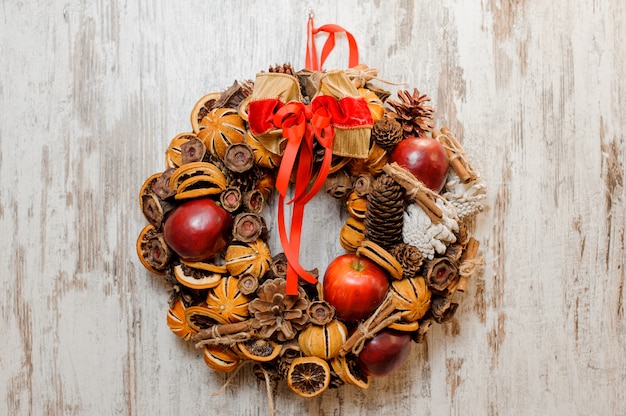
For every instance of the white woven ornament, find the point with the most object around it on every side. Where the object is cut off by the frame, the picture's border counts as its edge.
(467, 198)
(429, 237)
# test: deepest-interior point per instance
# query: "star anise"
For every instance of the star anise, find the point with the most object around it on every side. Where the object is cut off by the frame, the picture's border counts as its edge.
(276, 314)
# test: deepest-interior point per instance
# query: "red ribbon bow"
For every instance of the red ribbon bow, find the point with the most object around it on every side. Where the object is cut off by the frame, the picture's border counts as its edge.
(301, 125)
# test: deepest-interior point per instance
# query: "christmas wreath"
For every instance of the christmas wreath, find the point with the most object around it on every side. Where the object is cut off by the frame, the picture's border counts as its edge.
(408, 188)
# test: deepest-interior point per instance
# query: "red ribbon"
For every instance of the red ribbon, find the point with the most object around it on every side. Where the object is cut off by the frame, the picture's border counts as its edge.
(301, 125)
(312, 62)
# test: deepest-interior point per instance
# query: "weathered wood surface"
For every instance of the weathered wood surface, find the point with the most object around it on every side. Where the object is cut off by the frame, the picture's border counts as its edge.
(92, 92)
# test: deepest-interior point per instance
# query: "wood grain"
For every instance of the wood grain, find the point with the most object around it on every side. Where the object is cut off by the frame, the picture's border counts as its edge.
(92, 92)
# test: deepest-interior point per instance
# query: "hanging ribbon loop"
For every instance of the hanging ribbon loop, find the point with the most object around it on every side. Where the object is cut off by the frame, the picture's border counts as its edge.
(314, 63)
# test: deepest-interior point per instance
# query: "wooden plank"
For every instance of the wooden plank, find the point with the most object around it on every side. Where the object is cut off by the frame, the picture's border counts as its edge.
(92, 92)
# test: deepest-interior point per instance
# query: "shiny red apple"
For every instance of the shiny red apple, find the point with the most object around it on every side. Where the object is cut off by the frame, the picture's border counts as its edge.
(198, 229)
(385, 352)
(425, 158)
(355, 286)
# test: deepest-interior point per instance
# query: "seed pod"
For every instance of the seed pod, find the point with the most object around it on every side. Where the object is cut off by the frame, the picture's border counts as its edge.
(238, 157)
(193, 150)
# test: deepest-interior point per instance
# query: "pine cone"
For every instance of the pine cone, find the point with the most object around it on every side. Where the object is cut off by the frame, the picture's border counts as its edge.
(385, 213)
(409, 257)
(416, 117)
(283, 69)
(387, 132)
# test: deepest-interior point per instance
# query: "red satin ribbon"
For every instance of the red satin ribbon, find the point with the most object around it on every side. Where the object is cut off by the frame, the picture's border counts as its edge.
(301, 125)
(312, 61)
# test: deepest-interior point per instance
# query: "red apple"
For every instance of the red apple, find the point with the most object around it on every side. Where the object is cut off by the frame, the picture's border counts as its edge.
(355, 286)
(425, 158)
(384, 353)
(198, 229)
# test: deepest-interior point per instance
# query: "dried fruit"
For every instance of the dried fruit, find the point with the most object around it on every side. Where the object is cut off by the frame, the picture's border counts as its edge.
(226, 303)
(308, 376)
(196, 278)
(323, 341)
(412, 297)
(154, 254)
(221, 358)
(220, 128)
(202, 108)
(176, 320)
(259, 349)
(248, 258)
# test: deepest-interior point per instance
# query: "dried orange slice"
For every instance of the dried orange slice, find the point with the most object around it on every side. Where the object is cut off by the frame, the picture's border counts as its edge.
(381, 257)
(220, 128)
(308, 376)
(146, 188)
(324, 341)
(375, 104)
(405, 326)
(357, 205)
(176, 320)
(262, 350)
(173, 155)
(199, 318)
(352, 234)
(226, 303)
(202, 108)
(196, 278)
(352, 372)
(221, 358)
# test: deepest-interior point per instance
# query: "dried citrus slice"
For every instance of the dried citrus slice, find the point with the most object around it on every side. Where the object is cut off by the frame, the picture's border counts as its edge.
(202, 108)
(381, 257)
(221, 358)
(352, 372)
(226, 303)
(176, 320)
(308, 376)
(262, 350)
(173, 154)
(199, 318)
(146, 188)
(352, 234)
(405, 326)
(252, 258)
(196, 278)
(375, 104)
(220, 128)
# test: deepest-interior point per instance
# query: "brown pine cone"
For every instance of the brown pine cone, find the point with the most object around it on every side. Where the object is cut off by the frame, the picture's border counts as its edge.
(283, 69)
(387, 132)
(412, 112)
(385, 213)
(409, 257)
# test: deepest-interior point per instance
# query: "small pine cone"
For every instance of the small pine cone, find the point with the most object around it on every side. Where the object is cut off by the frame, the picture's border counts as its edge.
(412, 112)
(245, 181)
(385, 213)
(283, 69)
(409, 257)
(387, 132)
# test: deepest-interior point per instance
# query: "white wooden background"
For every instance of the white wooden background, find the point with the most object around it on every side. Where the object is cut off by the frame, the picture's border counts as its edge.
(92, 92)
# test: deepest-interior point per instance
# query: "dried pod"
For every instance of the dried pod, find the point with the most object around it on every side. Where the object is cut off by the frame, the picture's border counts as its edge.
(248, 284)
(162, 186)
(176, 320)
(221, 358)
(226, 303)
(441, 275)
(338, 185)
(247, 227)
(419, 336)
(155, 209)
(453, 252)
(352, 234)
(320, 312)
(238, 157)
(248, 258)
(220, 128)
(324, 341)
(154, 254)
(308, 376)
(193, 150)
(254, 201)
(411, 297)
(231, 199)
(234, 95)
(357, 205)
(278, 268)
(173, 154)
(442, 309)
(363, 184)
(201, 109)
